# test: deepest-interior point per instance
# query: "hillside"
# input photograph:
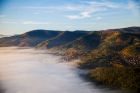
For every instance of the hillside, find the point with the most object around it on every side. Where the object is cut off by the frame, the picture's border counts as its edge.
(116, 60)
(28, 39)
(2, 35)
(34, 37)
(62, 39)
(113, 49)
(10, 41)
(85, 43)
(83, 40)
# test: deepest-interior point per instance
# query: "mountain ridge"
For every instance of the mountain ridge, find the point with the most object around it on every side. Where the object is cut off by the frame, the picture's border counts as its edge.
(36, 37)
(111, 57)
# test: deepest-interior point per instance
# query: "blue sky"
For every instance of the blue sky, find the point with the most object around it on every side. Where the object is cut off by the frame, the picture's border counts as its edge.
(19, 16)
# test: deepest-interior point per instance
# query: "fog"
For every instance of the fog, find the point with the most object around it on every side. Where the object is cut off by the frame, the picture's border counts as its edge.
(34, 71)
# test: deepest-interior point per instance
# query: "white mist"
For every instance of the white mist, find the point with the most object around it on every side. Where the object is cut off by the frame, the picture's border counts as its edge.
(33, 71)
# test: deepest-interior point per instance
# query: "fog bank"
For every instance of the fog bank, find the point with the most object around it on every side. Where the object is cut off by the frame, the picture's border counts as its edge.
(36, 71)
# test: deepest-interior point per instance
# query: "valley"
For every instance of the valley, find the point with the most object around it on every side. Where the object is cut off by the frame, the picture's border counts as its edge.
(111, 57)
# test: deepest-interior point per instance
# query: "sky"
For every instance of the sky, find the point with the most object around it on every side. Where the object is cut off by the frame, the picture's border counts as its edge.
(20, 16)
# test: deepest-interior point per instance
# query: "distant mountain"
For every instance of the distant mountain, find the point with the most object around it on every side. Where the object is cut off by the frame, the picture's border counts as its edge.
(30, 39)
(85, 43)
(2, 35)
(34, 37)
(133, 30)
(80, 40)
(62, 39)
(104, 48)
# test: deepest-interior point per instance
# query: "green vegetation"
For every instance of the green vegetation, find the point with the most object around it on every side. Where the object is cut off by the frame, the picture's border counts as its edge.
(125, 78)
(132, 50)
(116, 60)
(71, 53)
(85, 43)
